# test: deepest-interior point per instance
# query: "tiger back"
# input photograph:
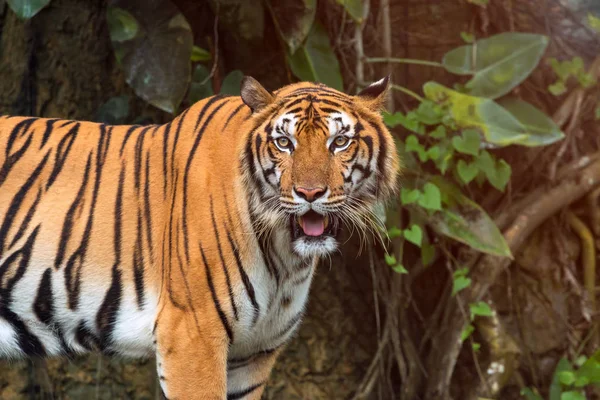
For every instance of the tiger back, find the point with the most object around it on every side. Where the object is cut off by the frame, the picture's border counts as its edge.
(196, 240)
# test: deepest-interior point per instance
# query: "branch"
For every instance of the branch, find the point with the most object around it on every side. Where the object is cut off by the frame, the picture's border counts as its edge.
(447, 345)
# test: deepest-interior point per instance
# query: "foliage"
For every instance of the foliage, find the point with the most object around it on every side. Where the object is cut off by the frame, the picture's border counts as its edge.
(569, 380)
(26, 9)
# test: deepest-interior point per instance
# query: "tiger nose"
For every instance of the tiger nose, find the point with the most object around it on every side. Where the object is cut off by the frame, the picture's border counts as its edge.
(310, 194)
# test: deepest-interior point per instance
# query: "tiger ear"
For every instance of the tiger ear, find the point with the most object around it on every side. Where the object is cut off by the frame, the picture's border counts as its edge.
(374, 95)
(254, 95)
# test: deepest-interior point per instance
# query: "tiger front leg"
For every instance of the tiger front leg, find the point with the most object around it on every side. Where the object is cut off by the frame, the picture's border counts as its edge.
(191, 360)
(247, 380)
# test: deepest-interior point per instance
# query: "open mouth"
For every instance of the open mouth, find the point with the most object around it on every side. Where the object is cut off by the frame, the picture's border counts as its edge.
(313, 225)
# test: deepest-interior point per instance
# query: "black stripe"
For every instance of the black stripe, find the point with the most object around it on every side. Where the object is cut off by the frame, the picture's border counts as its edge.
(216, 302)
(237, 109)
(62, 151)
(165, 148)
(225, 271)
(176, 140)
(107, 314)
(68, 224)
(16, 202)
(139, 146)
(243, 393)
(86, 337)
(147, 211)
(11, 159)
(127, 136)
(189, 165)
(44, 300)
(290, 325)
(49, 129)
(138, 263)
(205, 108)
(27, 219)
(381, 157)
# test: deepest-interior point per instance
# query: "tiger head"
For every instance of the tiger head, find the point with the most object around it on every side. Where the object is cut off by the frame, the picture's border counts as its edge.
(318, 159)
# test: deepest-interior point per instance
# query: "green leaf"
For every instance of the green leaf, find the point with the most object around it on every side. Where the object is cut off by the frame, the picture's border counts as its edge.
(572, 395)
(581, 360)
(427, 253)
(498, 125)
(581, 381)
(500, 175)
(429, 113)
(556, 387)
(463, 220)
(567, 377)
(156, 61)
(354, 8)
(439, 132)
(557, 88)
(114, 111)
(476, 346)
(464, 335)
(315, 60)
(199, 54)
(467, 172)
(529, 394)
(593, 22)
(293, 20)
(26, 9)
(597, 112)
(498, 63)
(201, 85)
(408, 121)
(591, 368)
(414, 235)
(459, 283)
(121, 24)
(467, 37)
(480, 309)
(232, 83)
(431, 197)
(468, 143)
(394, 232)
(408, 196)
(399, 268)
(539, 127)
(390, 259)
(433, 152)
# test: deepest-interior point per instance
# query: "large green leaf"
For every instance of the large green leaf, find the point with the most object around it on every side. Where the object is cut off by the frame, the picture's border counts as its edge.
(498, 125)
(541, 129)
(26, 9)
(232, 83)
(155, 56)
(354, 8)
(315, 60)
(201, 85)
(293, 19)
(463, 220)
(499, 63)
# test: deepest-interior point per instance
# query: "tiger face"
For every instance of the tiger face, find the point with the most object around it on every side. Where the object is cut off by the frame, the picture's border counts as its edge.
(322, 160)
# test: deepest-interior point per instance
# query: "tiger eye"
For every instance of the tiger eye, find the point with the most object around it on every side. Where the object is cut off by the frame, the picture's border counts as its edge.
(283, 142)
(341, 141)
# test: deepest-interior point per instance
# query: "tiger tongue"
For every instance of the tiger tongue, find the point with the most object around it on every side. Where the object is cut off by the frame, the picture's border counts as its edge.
(312, 224)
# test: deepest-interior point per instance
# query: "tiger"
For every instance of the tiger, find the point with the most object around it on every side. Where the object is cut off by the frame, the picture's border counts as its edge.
(195, 241)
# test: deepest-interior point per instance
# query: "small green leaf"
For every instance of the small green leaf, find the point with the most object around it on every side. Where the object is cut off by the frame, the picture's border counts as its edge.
(427, 253)
(354, 8)
(122, 26)
(556, 387)
(467, 172)
(464, 335)
(459, 283)
(394, 232)
(499, 176)
(390, 259)
(468, 143)
(408, 196)
(429, 113)
(467, 37)
(26, 9)
(315, 60)
(408, 121)
(199, 54)
(433, 153)
(586, 80)
(581, 381)
(232, 83)
(414, 234)
(572, 395)
(557, 88)
(593, 22)
(399, 268)
(580, 360)
(499, 63)
(439, 132)
(476, 346)
(567, 377)
(431, 197)
(481, 309)
(529, 394)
